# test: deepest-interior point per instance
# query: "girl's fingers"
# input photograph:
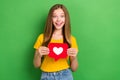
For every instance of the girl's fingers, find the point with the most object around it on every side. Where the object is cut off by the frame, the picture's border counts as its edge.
(43, 50)
(72, 52)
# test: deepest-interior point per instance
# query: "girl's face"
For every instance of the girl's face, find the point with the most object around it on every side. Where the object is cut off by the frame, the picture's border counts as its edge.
(58, 18)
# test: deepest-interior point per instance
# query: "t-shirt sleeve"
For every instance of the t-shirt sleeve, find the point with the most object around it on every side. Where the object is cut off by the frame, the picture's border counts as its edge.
(74, 42)
(39, 41)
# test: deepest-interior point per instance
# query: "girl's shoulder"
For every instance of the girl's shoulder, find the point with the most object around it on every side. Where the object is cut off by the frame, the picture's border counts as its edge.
(41, 35)
(73, 37)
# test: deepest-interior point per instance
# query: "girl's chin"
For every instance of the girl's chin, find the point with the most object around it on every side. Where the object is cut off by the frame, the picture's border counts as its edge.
(58, 28)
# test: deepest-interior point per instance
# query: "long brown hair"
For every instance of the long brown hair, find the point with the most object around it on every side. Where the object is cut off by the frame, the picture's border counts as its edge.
(49, 28)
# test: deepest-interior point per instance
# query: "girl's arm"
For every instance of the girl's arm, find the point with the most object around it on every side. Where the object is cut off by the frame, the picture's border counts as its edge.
(72, 52)
(38, 55)
(73, 63)
(37, 59)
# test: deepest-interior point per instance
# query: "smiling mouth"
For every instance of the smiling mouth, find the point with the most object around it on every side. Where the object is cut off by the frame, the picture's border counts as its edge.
(58, 24)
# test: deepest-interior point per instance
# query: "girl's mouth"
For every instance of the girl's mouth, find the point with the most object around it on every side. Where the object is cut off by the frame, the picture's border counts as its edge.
(58, 24)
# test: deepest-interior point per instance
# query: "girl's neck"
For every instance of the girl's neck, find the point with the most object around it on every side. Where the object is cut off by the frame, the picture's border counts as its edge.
(57, 34)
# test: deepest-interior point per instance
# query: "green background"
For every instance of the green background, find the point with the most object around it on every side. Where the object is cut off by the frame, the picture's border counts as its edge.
(95, 24)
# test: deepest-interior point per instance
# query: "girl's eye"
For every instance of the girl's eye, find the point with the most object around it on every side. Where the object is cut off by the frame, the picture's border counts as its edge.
(54, 16)
(62, 16)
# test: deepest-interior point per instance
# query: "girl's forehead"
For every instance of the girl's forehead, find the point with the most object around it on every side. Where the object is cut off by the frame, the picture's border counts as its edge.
(59, 10)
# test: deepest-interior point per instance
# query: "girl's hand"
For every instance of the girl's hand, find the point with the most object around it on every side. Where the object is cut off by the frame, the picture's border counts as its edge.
(72, 52)
(43, 50)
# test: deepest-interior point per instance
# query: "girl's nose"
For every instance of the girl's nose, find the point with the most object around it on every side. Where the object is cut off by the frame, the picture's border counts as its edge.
(58, 18)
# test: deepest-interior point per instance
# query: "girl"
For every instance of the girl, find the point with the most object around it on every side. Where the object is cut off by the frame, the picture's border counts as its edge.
(57, 30)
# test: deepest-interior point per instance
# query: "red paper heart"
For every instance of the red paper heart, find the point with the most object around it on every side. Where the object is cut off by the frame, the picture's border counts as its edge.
(57, 50)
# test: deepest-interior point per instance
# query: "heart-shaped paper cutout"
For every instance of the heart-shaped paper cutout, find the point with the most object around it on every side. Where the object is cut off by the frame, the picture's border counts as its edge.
(57, 51)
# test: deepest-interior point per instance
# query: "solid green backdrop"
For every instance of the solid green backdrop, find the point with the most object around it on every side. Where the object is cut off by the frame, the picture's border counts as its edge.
(95, 24)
